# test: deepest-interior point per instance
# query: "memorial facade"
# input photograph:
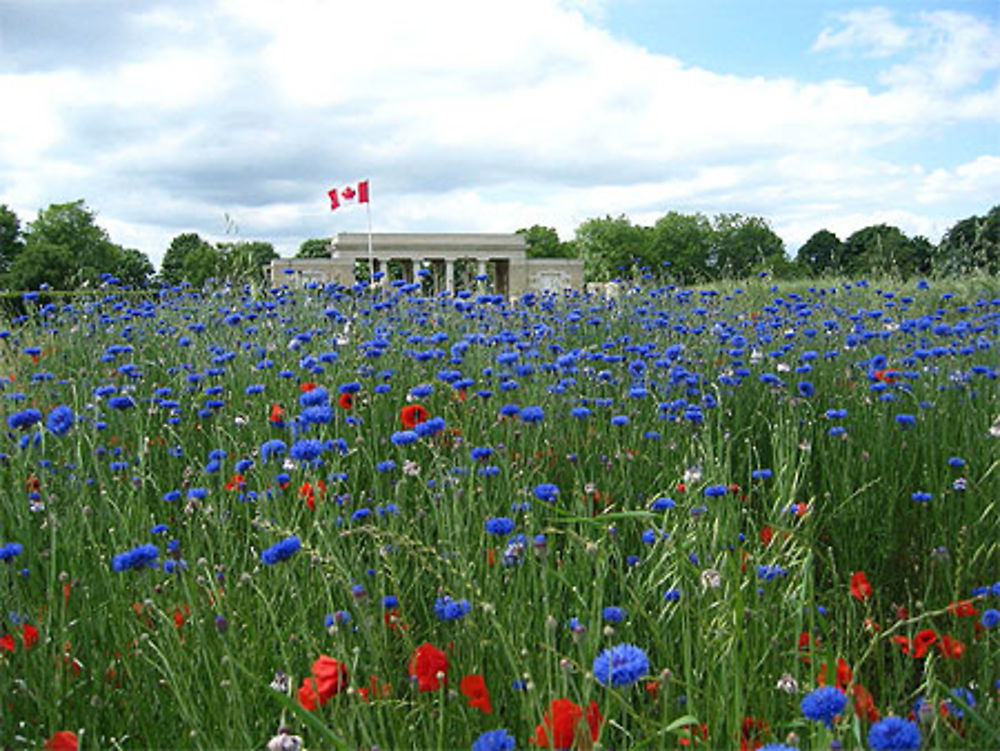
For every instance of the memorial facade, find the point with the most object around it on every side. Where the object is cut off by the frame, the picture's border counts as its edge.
(442, 261)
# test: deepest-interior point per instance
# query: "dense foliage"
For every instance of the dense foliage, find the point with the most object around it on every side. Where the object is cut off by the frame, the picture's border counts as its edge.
(701, 517)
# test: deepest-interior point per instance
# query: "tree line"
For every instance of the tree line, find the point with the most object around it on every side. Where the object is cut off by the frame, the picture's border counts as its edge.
(65, 248)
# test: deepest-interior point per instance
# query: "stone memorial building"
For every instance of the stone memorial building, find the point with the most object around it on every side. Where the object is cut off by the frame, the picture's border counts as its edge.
(443, 261)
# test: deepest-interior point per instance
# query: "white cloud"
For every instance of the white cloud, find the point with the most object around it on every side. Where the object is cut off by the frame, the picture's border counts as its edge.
(471, 116)
(873, 32)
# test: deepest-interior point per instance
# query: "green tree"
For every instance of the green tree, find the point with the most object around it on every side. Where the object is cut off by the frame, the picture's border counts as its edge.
(682, 243)
(246, 261)
(172, 268)
(43, 263)
(314, 247)
(73, 226)
(544, 242)
(821, 253)
(134, 268)
(742, 244)
(201, 263)
(612, 247)
(880, 249)
(11, 242)
(972, 243)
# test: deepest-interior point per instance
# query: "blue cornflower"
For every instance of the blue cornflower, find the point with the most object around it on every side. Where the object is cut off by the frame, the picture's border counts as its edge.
(894, 734)
(307, 450)
(990, 618)
(352, 387)
(387, 466)
(823, 704)
(159, 529)
(806, 389)
(921, 496)
(672, 595)
(532, 414)
(10, 550)
(390, 601)
(778, 747)
(273, 447)
(317, 397)
(614, 614)
(761, 474)
(448, 609)
(478, 453)
(619, 420)
(546, 491)
(319, 414)
(404, 437)
(500, 525)
(281, 551)
(662, 504)
(767, 573)
(620, 665)
(581, 413)
(24, 419)
(960, 692)
(138, 557)
(60, 420)
(714, 491)
(121, 402)
(906, 421)
(956, 461)
(494, 740)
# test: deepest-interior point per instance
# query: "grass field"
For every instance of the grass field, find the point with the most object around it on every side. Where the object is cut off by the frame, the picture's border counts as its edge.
(735, 517)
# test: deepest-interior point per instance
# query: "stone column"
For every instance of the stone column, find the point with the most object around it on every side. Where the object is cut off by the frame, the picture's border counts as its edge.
(480, 267)
(449, 275)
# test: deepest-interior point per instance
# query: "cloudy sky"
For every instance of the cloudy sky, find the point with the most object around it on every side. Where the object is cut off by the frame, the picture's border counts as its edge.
(169, 116)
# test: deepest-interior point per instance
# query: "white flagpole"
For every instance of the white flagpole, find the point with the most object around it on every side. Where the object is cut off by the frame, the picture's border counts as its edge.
(371, 255)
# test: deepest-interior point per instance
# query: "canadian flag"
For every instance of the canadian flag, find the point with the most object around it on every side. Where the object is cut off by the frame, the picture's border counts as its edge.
(350, 194)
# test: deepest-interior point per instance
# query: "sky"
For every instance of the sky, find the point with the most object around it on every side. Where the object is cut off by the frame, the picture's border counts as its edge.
(233, 118)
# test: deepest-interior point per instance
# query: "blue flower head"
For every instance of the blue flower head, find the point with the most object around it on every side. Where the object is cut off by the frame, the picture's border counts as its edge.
(895, 734)
(281, 551)
(620, 665)
(60, 420)
(139, 557)
(448, 609)
(500, 525)
(823, 704)
(494, 740)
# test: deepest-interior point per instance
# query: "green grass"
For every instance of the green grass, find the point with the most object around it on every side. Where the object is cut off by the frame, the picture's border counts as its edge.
(139, 658)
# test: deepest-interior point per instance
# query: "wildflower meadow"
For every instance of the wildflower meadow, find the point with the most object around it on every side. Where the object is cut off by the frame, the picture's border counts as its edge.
(757, 516)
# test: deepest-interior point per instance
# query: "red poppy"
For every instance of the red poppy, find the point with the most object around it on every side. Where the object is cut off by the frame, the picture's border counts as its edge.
(307, 694)
(562, 721)
(864, 703)
(277, 418)
(30, 635)
(962, 608)
(860, 588)
(473, 688)
(693, 732)
(923, 641)
(236, 482)
(64, 740)
(331, 677)
(412, 415)
(887, 375)
(752, 733)
(346, 401)
(7, 642)
(426, 664)
(766, 535)
(307, 387)
(394, 620)
(951, 647)
(306, 493)
(180, 616)
(374, 690)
